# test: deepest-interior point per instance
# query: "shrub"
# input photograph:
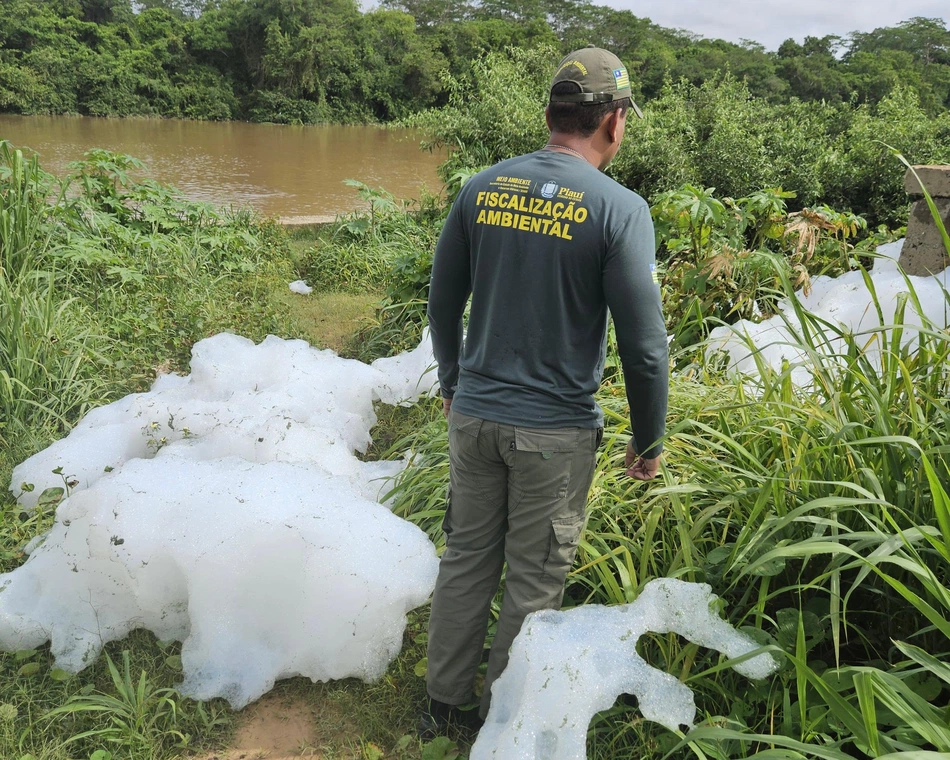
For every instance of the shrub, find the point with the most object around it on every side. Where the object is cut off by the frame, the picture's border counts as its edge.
(278, 108)
(494, 114)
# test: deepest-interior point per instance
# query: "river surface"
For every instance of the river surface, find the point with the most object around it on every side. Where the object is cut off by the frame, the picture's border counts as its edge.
(279, 170)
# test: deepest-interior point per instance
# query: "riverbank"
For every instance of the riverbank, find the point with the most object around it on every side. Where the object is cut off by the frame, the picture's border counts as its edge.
(314, 220)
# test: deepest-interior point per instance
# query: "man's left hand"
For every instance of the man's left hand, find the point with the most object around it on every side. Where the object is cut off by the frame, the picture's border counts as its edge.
(640, 468)
(446, 406)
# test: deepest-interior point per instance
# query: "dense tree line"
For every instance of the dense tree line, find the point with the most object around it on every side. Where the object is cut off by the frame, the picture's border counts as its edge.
(326, 60)
(710, 135)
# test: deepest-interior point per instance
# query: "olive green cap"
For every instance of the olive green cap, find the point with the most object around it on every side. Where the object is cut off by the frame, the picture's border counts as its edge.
(601, 76)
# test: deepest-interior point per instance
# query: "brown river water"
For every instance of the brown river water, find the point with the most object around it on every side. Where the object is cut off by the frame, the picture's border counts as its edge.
(281, 171)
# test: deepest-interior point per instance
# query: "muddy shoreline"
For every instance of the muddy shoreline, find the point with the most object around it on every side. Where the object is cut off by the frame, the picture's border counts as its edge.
(311, 220)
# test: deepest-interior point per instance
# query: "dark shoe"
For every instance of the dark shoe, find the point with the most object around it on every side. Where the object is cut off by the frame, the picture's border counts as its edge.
(437, 718)
(434, 719)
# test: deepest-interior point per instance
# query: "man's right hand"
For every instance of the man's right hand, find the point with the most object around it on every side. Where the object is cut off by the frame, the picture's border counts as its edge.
(639, 467)
(446, 406)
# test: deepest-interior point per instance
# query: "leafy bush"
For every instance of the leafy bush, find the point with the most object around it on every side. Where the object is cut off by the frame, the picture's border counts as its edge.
(715, 134)
(278, 108)
(718, 135)
(723, 260)
(493, 114)
(866, 176)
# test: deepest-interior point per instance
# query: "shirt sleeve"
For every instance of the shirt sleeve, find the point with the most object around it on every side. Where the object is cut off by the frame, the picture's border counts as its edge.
(633, 297)
(449, 290)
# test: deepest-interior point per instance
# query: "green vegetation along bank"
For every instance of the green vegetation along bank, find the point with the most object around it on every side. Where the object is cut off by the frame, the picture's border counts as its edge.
(712, 135)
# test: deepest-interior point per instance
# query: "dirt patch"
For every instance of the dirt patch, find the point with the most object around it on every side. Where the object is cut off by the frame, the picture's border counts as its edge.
(307, 221)
(276, 725)
(288, 726)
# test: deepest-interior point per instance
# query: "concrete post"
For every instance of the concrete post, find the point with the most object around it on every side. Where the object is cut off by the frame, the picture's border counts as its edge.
(924, 252)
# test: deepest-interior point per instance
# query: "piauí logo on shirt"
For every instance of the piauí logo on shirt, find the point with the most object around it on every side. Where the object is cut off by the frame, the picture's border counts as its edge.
(548, 189)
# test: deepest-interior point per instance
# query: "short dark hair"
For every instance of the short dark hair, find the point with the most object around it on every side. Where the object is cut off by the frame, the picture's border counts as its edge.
(579, 118)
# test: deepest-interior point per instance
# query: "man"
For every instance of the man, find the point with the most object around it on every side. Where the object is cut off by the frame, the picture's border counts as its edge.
(544, 243)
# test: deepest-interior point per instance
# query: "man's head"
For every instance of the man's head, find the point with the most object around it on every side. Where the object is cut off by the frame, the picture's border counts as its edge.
(588, 85)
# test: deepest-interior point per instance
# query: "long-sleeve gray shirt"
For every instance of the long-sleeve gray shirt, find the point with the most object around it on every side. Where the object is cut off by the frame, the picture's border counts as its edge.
(545, 244)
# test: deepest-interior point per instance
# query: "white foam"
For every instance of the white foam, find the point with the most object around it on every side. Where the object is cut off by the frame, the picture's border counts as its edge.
(300, 287)
(566, 666)
(845, 302)
(228, 510)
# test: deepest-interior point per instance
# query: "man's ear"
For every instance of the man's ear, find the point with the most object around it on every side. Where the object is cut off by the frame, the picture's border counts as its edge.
(613, 122)
(547, 116)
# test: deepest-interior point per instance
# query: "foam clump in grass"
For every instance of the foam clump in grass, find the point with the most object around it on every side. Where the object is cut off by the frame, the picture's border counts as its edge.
(227, 510)
(567, 666)
(300, 287)
(848, 307)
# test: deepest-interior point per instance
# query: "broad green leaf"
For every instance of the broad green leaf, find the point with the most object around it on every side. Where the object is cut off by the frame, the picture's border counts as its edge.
(50, 498)
(30, 669)
(440, 748)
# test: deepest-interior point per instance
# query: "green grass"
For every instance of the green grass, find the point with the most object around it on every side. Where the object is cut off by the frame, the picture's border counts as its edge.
(328, 319)
(819, 516)
(134, 713)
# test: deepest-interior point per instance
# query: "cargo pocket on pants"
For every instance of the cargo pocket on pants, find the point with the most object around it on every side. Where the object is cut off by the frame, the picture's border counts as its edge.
(565, 536)
(545, 461)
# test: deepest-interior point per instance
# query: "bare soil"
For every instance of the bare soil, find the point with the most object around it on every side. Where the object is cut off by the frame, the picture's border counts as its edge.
(283, 727)
(307, 221)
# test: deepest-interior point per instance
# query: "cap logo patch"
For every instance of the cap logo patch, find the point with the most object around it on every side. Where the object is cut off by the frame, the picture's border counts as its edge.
(622, 79)
(578, 64)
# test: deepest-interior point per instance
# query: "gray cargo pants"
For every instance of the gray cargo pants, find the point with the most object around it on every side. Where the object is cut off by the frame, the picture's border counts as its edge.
(518, 495)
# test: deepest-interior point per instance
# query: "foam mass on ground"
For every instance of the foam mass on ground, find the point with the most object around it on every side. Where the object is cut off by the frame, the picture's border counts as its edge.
(567, 666)
(846, 303)
(228, 510)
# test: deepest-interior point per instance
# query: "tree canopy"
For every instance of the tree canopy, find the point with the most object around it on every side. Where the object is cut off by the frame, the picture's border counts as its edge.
(308, 61)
